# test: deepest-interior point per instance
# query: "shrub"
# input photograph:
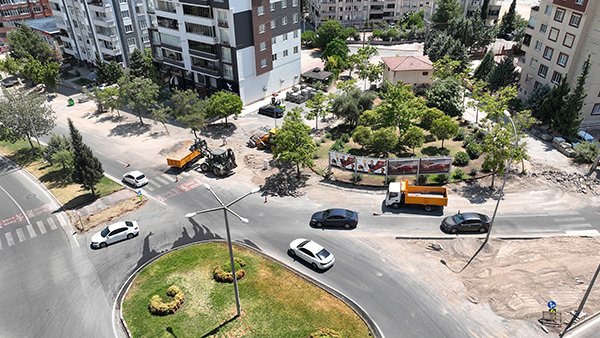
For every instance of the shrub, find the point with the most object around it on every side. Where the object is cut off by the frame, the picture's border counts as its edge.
(474, 150)
(460, 135)
(459, 174)
(468, 140)
(585, 152)
(223, 273)
(391, 179)
(439, 178)
(328, 135)
(461, 159)
(473, 171)
(325, 333)
(480, 134)
(159, 308)
(345, 137)
(338, 145)
(356, 178)
(422, 179)
(429, 138)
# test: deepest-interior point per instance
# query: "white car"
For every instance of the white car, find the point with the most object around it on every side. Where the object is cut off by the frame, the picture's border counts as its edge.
(115, 233)
(312, 253)
(135, 178)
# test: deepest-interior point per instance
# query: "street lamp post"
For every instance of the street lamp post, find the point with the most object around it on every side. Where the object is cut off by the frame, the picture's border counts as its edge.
(501, 193)
(225, 208)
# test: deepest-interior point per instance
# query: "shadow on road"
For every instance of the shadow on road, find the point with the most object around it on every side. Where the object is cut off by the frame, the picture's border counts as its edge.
(475, 192)
(285, 182)
(130, 129)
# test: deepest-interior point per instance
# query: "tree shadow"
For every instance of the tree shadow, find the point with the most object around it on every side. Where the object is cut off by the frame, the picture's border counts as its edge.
(108, 117)
(25, 156)
(475, 192)
(337, 131)
(285, 182)
(215, 131)
(130, 129)
(435, 151)
(315, 53)
(80, 201)
(56, 178)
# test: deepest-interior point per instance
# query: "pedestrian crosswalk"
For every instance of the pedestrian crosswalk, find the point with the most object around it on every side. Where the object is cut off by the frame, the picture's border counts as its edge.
(157, 182)
(18, 233)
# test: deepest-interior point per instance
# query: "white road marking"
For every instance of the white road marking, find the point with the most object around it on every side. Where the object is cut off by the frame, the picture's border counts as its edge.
(155, 184)
(583, 233)
(101, 153)
(52, 224)
(149, 188)
(572, 219)
(161, 180)
(41, 226)
(20, 235)
(9, 239)
(17, 204)
(186, 173)
(0, 245)
(571, 226)
(31, 231)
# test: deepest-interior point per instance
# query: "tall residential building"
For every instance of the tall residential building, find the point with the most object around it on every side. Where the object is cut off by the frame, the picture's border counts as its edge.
(560, 36)
(470, 7)
(113, 28)
(355, 13)
(247, 47)
(12, 11)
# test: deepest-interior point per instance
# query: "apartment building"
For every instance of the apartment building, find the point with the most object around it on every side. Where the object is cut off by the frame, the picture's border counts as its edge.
(113, 28)
(247, 47)
(560, 35)
(355, 13)
(13, 11)
(471, 6)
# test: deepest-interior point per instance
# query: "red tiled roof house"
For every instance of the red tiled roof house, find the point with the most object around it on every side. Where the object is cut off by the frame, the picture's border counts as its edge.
(415, 70)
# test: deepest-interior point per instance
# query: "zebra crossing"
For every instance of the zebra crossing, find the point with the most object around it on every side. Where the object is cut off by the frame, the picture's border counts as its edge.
(15, 234)
(157, 182)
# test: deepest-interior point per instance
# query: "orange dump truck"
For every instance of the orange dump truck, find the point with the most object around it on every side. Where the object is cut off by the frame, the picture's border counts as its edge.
(400, 193)
(185, 157)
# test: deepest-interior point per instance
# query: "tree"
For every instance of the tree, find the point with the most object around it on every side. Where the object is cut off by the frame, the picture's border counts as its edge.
(293, 143)
(554, 105)
(471, 32)
(362, 135)
(535, 100)
(142, 65)
(399, 107)
(189, 109)
(414, 137)
(494, 104)
(507, 25)
(487, 65)
(24, 42)
(328, 31)
(429, 115)
(384, 140)
(160, 113)
(504, 74)
(440, 44)
(38, 72)
(569, 121)
(56, 144)
(445, 11)
(369, 118)
(484, 10)
(318, 108)
(25, 115)
(498, 148)
(370, 72)
(138, 94)
(113, 72)
(446, 96)
(64, 158)
(444, 128)
(222, 104)
(349, 106)
(308, 38)
(87, 169)
(11, 65)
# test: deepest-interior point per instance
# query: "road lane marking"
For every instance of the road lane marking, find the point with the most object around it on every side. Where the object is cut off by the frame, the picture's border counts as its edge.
(52, 224)
(31, 231)
(571, 226)
(571, 219)
(20, 235)
(186, 173)
(101, 153)
(17, 204)
(582, 233)
(155, 184)
(161, 180)
(41, 226)
(9, 239)
(149, 188)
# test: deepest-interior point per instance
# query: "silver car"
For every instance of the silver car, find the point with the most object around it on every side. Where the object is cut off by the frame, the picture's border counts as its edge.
(312, 253)
(135, 178)
(115, 233)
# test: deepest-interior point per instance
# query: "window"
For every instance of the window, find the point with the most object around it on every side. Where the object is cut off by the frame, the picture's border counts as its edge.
(575, 20)
(543, 28)
(37, 9)
(533, 63)
(295, 49)
(568, 41)
(579, 2)
(559, 15)
(556, 77)
(143, 24)
(548, 53)
(274, 57)
(131, 42)
(542, 71)
(128, 28)
(261, 29)
(145, 38)
(548, 10)
(273, 40)
(531, 23)
(226, 54)
(562, 59)
(261, 10)
(284, 37)
(527, 39)
(263, 63)
(295, 34)
(528, 78)
(553, 35)
(285, 53)
(596, 110)
(124, 14)
(425, 73)
(284, 20)
(228, 72)
(263, 46)
(538, 45)
(273, 24)
(295, 18)
(294, 3)
(283, 3)
(272, 6)
(536, 84)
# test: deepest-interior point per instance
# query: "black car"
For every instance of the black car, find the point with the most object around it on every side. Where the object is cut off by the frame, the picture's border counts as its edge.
(467, 222)
(335, 218)
(271, 111)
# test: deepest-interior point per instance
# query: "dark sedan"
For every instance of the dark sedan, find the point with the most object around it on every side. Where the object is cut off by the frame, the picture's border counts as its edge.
(335, 218)
(466, 222)
(271, 111)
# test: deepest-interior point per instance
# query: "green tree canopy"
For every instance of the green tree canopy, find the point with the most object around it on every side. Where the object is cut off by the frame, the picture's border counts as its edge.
(414, 137)
(508, 23)
(569, 120)
(24, 42)
(362, 135)
(57, 143)
(554, 105)
(337, 47)
(308, 38)
(293, 142)
(498, 147)
(349, 106)
(485, 68)
(446, 10)
(318, 108)
(87, 169)
(142, 65)
(427, 117)
(137, 93)
(223, 104)
(384, 140)
(440, 44)
(446, 96)
(504, 74)
(328, 31)
(444, 128)
(535, 100)
(400, 107)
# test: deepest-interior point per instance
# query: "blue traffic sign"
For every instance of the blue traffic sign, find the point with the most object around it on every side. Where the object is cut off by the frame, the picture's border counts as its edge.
(551, 304)
(140, 192)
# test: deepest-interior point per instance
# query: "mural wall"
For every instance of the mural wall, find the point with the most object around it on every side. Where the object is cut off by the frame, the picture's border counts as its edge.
(392, 166)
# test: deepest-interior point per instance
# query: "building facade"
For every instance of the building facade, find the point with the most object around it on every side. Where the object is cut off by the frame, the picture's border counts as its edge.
(247, 47)
(414, 70)
(113, 28)
(13, 11)
(470, 7)
(560, 36)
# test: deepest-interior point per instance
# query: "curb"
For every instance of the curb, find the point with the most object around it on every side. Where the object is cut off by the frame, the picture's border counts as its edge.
(506, 238)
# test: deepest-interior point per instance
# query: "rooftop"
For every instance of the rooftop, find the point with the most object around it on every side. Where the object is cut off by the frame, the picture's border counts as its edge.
(400, 63)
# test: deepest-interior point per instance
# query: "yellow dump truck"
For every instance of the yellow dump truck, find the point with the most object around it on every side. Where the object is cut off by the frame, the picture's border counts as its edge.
(186, 156)
(400, 193)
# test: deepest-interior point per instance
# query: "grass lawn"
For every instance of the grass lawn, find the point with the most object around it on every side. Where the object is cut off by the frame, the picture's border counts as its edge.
(53, 177)
(83, 81)
(67, 75)
(275, 302)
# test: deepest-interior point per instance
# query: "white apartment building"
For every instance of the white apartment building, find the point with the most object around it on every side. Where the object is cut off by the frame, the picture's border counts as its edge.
(247, 47)
(560, 35)
(113, 28)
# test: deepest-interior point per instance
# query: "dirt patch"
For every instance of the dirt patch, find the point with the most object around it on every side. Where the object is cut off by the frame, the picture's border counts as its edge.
(107, 214)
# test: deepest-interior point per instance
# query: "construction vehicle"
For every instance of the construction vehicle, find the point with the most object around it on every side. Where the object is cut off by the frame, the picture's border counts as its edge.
(220, 162)
(400, 193)
(263, 142)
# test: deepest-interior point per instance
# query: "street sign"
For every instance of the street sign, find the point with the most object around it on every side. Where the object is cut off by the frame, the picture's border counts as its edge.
(551, 304)
(140, 192)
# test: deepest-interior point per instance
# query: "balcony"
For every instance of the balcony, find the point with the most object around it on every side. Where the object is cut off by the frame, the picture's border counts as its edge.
(167, 7)
(207, 71)
(104, 21)
(100, 6)
(114, 50)
(223, 23)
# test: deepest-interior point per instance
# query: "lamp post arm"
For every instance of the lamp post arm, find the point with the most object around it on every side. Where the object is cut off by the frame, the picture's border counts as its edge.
(207, 210)
(217, 197)
(235, 214)
(238, 199)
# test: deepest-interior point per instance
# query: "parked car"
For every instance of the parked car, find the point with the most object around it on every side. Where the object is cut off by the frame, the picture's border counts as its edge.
(311, 252)
(271, 111)
(115, 233)
(9, 82)
(581, 136)
(466, 222)
(135, 178)
(335, 218)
